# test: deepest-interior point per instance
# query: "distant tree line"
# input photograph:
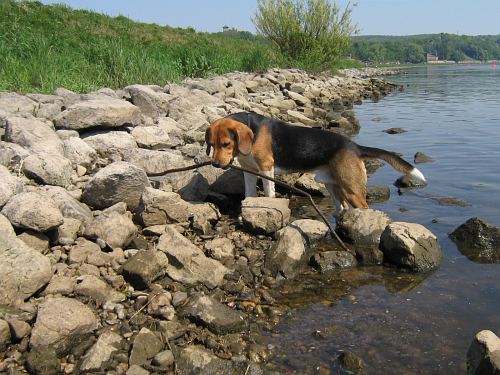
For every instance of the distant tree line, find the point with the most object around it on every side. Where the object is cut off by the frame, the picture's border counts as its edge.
(412, 49)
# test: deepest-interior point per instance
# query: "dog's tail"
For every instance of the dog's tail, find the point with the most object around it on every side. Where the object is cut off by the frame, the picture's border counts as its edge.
(394, 160)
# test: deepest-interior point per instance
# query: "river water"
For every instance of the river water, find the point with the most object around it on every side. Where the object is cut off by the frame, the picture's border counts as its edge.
(401, 323)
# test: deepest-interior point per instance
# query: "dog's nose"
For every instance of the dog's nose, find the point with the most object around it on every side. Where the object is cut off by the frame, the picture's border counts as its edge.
(216, 163)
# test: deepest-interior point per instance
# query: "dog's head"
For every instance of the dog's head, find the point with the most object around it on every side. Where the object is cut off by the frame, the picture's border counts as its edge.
(229, 138)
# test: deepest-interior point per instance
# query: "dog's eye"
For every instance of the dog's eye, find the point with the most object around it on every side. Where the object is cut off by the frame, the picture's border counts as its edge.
(225, 144)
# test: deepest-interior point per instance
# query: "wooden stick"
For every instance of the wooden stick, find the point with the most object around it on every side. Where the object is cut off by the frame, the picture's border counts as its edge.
(288, 186)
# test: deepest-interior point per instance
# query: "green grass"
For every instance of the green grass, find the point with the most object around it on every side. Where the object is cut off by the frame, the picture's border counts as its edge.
(43, 47)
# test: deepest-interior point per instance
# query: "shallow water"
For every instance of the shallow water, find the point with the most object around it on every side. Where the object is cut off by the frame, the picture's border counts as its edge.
(405, 323)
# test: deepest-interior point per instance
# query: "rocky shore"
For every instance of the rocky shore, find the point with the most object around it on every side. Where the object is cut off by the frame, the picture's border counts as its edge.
(107, 269)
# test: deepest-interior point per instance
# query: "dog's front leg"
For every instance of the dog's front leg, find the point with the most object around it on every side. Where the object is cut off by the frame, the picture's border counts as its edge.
(269, 189)
(250, 185)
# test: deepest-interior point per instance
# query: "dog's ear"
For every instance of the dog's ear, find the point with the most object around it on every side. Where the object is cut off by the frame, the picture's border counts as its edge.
(244, 138)
(208, 135)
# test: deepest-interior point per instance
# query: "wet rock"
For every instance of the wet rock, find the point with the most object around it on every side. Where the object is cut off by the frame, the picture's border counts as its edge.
(369, 255)
(95, 288)
(409, 181)
(187, 263)
(79, 152)
(420, 157)
(106, 112)
(152, 103)
(483, 356)
(210, 313)
(410, 246)
(478, 240)
(362, 227)
(110, 144)
(118, 182)
(220, 248)
(146, 345)
(37, 241)
(351, 362)
(32, 211)
(331, 260)
(265, 215)
(311, 230)
(288, 255)
(450, 201)
(145, 267)
(33, 134)
(115, 229)
(106, 345)
(377, 193)
(152, 137)
(394, 131)
(43, 361)
(48, 169)
(62, 323)
(9, 185)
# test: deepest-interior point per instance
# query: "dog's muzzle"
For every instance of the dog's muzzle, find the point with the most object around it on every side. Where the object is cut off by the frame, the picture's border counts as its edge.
(217, 164)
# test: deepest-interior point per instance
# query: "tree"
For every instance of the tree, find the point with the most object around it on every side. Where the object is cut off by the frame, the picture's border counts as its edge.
(314, 30)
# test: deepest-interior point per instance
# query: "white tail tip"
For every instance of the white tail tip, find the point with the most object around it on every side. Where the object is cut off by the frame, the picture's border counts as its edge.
(417, 174)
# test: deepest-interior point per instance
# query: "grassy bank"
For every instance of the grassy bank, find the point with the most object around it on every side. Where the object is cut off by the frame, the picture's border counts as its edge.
(43, 47)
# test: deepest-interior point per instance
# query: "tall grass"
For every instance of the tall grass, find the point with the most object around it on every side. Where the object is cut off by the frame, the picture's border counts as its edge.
(43, 47)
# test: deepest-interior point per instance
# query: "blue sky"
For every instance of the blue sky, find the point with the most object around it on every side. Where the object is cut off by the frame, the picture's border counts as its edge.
(381, 17)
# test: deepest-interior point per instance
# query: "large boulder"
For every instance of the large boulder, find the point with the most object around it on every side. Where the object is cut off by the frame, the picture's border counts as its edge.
(12, 102)
(288, 255)
(483, 356)
(62, 323)
(31, 210)
(23, 271)
(33, 134)
(410, 246)
(48, 169)
(109, 144)
(187, 263)
(118, 182)
(154, 161)
(104, 112)
(362, 227)
(152, 103)
(478, 240)
(265, 215)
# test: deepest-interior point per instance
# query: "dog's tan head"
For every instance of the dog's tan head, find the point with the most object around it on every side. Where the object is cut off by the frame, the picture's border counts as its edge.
(229, 138)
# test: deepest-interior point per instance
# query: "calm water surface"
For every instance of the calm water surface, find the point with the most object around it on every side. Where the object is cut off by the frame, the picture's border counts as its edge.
(403, 323)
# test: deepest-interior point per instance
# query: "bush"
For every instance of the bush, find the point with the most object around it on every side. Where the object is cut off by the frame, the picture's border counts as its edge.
(314, 32)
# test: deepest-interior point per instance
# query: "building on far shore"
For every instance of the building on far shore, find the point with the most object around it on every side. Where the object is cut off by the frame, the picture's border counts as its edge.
(431, 58)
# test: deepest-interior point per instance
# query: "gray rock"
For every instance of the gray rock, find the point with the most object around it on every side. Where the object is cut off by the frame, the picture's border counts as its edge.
(137, 370)
(332, 260)
(160, 305)
(69, 206)
(79, 152)
(187, 263)
(145, 267)
(67, 232)
(18, 329)
(146, 345)
(212, 86)
(49, 106)
(420, 158)
(160, 207)
(363, 227)
(95, 288)
(34, 135)
(288, 254)
(265, 215)
(37, 241)
(190, 185)
(85, 251)
(154, 161)
(33, 211)
(210, 313)
(43, 361)
(152, 103)
(5, 337)
(394, 131)
(118, 182)
(153, 137)
(220, 248)
(478, 240)
(12, 102)
(12, 154)
(69, 97)
(310, 185)
(48, 169)
(298, 117)
(62, 322)
(377, 193)
(164, 359)
(9, 185)
(62, 285)
(106, 345)
(106, 112)
(115, 229)
(110, 144)
(410, 246)
(221, 181)
(483, 356)
(311, 230)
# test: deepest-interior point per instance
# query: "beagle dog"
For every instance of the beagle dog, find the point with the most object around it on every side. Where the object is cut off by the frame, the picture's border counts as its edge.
(272, 146)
